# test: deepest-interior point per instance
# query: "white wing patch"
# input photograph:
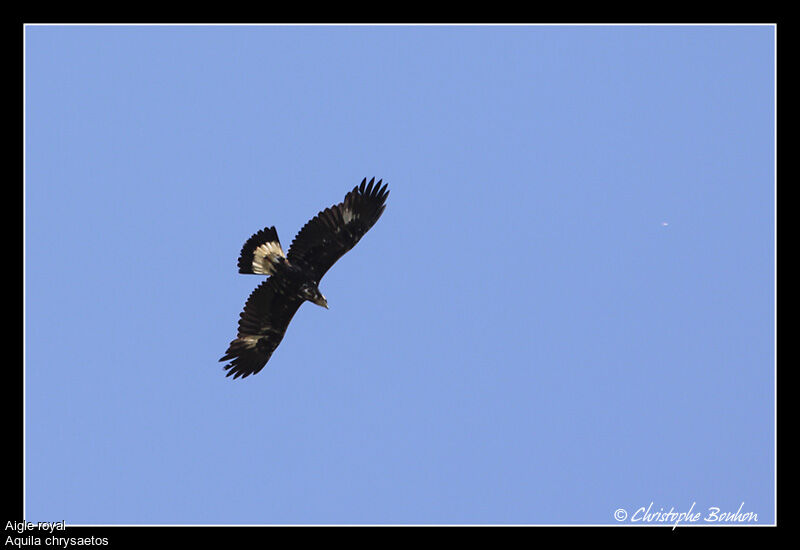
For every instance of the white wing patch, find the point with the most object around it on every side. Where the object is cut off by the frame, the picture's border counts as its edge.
(348, 215)
(249, 340)
(264, 256)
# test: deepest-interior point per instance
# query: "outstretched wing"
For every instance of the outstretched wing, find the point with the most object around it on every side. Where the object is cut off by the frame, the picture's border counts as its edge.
(262, 324)
(337, 229)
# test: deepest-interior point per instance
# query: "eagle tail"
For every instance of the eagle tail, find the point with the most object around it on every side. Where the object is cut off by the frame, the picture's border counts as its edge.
(261, 253)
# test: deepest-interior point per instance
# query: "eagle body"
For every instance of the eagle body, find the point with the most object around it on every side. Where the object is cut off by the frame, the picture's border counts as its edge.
(294, 277)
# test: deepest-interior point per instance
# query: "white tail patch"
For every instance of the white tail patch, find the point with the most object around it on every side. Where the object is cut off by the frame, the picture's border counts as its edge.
(265, 256)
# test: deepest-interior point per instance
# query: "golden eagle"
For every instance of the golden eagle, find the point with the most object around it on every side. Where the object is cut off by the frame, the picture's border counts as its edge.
(294, 277)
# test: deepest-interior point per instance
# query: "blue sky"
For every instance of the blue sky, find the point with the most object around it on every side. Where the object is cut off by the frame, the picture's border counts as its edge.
(567, 307)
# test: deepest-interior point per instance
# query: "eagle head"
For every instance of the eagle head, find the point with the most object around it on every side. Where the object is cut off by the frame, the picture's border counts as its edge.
(311, 293)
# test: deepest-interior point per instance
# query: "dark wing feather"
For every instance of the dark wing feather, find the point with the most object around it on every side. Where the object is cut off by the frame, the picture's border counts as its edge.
(262, 324)
(337, 229)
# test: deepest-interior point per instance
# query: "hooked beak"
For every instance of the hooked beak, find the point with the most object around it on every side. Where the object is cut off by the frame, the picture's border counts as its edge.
(321, 301)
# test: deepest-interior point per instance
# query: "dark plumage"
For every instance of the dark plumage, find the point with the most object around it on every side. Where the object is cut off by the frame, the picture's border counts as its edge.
(295, 276)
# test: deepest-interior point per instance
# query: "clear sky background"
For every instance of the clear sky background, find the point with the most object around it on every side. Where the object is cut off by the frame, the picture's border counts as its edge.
(567, 307)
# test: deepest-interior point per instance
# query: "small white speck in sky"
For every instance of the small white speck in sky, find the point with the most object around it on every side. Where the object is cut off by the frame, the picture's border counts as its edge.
(664, 224)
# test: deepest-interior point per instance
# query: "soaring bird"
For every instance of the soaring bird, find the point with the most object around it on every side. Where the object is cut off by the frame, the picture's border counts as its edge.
(294, 277)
